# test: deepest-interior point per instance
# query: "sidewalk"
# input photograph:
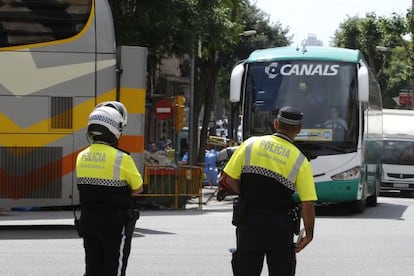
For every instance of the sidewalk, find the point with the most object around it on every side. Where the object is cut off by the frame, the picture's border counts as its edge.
(209, 201)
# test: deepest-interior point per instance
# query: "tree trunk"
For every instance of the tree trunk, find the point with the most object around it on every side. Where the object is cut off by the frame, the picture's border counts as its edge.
(204, 95)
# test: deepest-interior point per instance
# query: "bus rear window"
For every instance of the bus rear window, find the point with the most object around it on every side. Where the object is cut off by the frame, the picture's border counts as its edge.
(33, 21)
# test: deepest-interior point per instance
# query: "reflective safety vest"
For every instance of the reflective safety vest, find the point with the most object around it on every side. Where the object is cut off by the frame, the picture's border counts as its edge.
(105, 177)
(269, 166)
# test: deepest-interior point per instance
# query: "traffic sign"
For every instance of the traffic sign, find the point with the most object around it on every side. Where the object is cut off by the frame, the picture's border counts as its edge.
(163, 109)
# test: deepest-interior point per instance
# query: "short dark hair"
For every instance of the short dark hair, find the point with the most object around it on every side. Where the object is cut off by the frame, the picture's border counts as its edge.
(286, 127)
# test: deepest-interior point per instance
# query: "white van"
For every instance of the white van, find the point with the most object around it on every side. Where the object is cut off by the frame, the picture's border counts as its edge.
(398, 152)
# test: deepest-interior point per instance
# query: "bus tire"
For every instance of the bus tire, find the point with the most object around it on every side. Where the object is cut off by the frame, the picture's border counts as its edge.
(372, 200)
(357, 206)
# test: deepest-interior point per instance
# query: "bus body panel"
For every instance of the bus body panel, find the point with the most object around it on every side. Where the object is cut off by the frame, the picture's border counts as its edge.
(47, 91)
(338, 191)
(329, 190)
(310, 53)
(47, 73)
(326, 166)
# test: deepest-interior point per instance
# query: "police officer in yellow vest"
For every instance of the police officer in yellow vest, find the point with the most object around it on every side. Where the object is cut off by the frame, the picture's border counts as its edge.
(266, 171)
(107, 179)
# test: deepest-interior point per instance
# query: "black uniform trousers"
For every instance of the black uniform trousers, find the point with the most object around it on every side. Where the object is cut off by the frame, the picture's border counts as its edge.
(260, 236)
(107, 239)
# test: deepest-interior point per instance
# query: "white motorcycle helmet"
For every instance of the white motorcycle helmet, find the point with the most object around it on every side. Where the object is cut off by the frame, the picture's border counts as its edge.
(105, 125)
(118, 106)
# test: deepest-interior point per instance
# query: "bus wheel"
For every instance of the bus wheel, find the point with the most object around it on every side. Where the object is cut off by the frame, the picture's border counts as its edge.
(372, 200)
(357, 206)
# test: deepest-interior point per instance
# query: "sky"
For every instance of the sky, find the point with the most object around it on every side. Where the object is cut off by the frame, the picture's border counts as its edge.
(322, 17)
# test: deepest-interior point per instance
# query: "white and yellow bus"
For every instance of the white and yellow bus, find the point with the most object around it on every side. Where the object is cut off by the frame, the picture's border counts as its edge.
(58, 59)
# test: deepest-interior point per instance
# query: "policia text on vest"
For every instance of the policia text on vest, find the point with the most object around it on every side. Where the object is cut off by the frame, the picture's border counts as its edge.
(266, 171)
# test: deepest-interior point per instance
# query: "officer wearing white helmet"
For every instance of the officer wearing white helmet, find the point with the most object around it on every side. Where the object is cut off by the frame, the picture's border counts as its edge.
(265, 171)
(107, 179)
(118, 106)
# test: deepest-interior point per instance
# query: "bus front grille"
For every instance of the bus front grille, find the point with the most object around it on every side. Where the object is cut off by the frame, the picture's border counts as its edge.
(400, 175)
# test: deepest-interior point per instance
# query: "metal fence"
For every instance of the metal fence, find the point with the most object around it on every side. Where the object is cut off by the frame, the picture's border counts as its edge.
(184, 181)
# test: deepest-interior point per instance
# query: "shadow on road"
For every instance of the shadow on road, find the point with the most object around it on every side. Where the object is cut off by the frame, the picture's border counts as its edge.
(142, 232)
(37, 232)
(51, 232)
(383, 210)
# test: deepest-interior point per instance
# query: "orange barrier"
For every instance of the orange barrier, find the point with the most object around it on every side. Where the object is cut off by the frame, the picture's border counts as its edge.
(184, 181)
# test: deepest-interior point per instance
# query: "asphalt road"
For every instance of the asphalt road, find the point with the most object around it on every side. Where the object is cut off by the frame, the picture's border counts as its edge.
(195, 242)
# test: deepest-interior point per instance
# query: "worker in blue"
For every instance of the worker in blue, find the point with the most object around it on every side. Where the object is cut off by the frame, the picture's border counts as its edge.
(107, 180)
(210, 165)
(266, 171)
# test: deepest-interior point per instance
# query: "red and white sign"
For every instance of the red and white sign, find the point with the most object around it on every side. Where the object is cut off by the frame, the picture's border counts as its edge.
(406, 98)
(163, 109)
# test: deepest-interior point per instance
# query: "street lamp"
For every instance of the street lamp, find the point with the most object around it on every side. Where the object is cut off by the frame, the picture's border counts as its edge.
(250, 32)
(190, 141)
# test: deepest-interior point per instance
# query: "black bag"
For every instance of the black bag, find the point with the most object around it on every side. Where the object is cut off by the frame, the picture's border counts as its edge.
(294, 217)
(76, 222)
(78, 227)
(239, 212)
(132, 217)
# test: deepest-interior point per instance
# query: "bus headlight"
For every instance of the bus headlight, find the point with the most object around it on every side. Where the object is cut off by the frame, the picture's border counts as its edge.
(348, 175)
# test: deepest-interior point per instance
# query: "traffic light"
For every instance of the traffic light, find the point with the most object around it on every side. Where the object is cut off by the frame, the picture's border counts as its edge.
(179, 106)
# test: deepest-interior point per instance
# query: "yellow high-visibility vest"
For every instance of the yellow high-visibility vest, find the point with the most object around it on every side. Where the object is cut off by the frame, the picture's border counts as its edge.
(277, 158)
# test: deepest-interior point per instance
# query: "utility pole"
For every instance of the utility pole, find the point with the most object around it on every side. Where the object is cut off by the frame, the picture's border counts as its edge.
(411, 58)
(191, 143)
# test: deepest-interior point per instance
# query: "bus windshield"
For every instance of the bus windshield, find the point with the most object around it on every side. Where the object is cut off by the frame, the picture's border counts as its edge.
(398, 152)
(326, 92)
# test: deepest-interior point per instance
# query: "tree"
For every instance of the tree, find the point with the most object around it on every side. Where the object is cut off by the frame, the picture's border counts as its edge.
(208, 30)
(378, 38)
(228, 48)
(363, 34)
(218, 28)
(398, 74)
(269, 34)
(165, 27)
(401, 70)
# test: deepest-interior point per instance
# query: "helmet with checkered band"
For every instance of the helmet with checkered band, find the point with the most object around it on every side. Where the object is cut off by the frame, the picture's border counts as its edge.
(118, 106)
(105, 124)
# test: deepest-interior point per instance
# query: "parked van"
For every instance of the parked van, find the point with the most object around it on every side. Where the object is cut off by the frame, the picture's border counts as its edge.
(398, 151)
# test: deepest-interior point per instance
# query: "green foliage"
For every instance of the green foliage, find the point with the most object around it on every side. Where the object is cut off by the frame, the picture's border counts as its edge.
(164, 26)
(207, 30)
(393, 61)
(268, 35)
(348, 34)
(398, 72)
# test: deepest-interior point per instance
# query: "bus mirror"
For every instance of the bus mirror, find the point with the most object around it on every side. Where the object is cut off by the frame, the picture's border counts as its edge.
(363, 84)
(236, 83)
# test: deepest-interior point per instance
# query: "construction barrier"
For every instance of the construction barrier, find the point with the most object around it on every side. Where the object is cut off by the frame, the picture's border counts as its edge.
(184, 181)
